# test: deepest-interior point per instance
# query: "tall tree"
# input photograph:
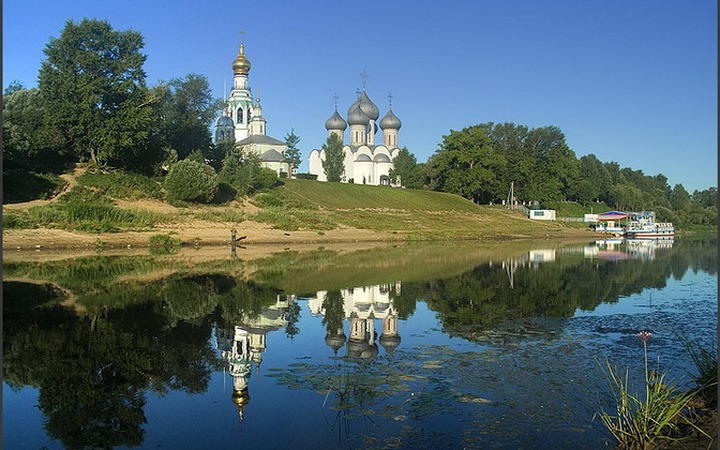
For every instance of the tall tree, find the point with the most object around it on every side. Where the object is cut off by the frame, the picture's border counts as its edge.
(14, 86)
(406, 170)
(93, 86)
(466, 164)
(292, 153)
(184, 112)
(27, 140)
(333, 165)
(679, 197)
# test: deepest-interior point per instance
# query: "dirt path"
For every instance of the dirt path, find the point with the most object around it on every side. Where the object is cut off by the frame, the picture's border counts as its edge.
(70, 179)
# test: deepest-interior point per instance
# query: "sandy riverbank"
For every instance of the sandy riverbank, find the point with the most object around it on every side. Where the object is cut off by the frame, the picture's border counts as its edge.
(201, 233)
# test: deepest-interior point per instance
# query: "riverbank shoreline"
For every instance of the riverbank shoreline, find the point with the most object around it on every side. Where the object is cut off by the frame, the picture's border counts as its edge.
(250, 233)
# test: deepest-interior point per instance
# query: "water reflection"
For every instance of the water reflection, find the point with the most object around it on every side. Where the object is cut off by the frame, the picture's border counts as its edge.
(243, 345)
(96, 350)
(360, 307)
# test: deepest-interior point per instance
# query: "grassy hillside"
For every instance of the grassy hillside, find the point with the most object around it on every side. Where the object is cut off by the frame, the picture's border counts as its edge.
(118, 202)
(307, 204)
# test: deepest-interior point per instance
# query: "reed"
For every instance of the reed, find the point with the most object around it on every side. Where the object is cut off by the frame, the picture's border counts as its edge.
(642, 423)
(706, 363)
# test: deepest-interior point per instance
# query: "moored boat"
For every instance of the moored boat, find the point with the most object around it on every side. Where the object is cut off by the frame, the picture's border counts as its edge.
(650, 230)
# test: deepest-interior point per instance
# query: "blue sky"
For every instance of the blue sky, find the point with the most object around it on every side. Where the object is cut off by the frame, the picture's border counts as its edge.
(631, 81)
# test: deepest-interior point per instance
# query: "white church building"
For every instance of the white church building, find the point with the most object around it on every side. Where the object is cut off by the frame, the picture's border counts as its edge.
(242, 119)
(364, 161)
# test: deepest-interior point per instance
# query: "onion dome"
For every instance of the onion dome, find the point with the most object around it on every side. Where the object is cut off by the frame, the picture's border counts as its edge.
(335, 122)
(240, 398)
(241, 65)
(225, 121)
(335, 341)
(356, 116)
(389, 343)
(390, 121)
(368, 107)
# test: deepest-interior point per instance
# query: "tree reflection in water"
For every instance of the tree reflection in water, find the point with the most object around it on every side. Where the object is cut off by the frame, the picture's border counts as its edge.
(93, 369)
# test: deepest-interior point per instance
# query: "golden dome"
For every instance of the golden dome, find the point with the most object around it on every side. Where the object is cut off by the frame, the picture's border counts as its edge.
(241, 63)
(240, 398)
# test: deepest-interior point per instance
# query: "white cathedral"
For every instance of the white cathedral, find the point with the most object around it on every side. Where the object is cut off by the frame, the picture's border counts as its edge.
(364, 162)
(242, 119)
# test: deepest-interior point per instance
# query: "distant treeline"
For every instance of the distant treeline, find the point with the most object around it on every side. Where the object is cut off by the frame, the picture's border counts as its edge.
(480, 162)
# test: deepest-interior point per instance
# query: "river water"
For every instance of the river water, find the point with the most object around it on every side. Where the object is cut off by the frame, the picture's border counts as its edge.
(417, 346)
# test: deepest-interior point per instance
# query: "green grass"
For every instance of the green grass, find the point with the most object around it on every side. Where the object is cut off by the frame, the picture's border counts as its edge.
(221, 215)
(122, 185)
(344, 196)
(417, 214)
(83, 209)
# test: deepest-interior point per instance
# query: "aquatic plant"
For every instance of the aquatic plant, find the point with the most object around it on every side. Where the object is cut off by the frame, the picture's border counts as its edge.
(706, 363)
(642, 423)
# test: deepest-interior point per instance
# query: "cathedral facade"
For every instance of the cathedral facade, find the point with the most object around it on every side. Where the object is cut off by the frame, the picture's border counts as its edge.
(242, 120)
(364, 162)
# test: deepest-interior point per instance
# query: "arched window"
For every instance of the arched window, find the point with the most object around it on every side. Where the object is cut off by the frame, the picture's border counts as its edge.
(240, 115)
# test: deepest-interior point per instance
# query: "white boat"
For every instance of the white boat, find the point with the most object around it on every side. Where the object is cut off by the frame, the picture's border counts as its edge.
(645, 229)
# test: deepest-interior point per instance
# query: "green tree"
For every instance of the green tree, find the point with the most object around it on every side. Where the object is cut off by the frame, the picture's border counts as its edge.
(706, 198)
(333, 165)
(594, 180)
(27, 141)
(627, 197)
(191, 181)
(406, 170)
(292, 153)
(244, 172)
(93, 86)
(184, 112)
(466, 164)
(13, 87)
(679, 197)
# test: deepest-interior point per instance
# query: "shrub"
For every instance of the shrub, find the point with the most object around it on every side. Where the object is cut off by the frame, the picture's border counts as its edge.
(191, 181)
(265, 179)
(163, 240)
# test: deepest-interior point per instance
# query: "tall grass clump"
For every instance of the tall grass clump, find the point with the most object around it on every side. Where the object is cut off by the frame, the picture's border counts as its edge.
(121, 184)
(15, 220)
(642, 421)
(706, 364)
(86, 210)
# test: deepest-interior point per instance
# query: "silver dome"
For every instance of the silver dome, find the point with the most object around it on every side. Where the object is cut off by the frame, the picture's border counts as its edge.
(390, 121)
(335, 122)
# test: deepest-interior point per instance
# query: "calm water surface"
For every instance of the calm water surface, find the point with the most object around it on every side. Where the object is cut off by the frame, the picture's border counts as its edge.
(403, 347)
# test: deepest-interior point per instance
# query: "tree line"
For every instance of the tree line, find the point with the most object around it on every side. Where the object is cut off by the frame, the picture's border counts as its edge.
(481, 161)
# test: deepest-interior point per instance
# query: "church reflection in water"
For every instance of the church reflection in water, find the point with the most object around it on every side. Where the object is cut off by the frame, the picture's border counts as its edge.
(361, 307)
(243, 346)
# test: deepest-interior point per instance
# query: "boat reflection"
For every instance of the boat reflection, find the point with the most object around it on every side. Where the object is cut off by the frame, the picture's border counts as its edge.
(619, 249)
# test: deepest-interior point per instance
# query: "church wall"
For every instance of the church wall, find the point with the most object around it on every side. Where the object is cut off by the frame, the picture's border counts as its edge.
(315, 164)
(382, 168)
(364, 172)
